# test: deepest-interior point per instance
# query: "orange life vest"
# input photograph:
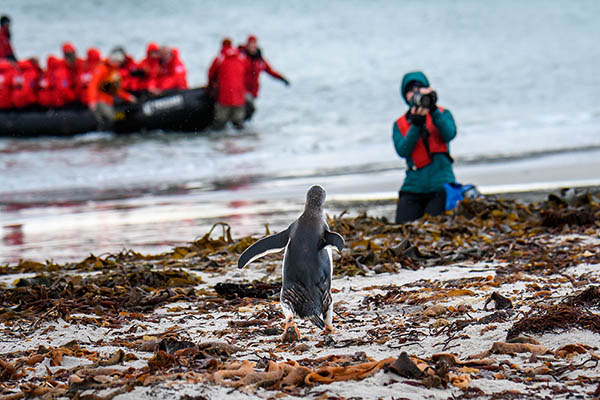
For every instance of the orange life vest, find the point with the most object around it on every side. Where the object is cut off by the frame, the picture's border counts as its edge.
(420, 157)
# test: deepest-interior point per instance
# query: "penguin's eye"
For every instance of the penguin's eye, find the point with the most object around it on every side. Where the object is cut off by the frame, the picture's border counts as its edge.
(322, 244)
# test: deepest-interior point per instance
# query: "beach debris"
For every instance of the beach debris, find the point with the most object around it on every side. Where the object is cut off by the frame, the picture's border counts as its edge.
(37, 280)
(555, 317)
(500, 302)
(435, 310)
(130, 322)
(405, 366)
(589, 297)
(259, 290)
(567, 216)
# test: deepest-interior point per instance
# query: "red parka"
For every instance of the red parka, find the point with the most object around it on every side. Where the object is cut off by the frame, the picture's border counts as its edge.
(151, 66)
(173, 75)
(73, 68)
(26, 83)
(7, 72)
(6, 50)
(256, 65)
(55, 89)
(130, 78)
(227, 73)
(87, 73)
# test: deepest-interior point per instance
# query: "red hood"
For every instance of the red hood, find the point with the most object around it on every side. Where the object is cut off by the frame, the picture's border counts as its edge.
(152, 47)
(5, 66)
(93, 55)
(25, 65)
(53, 63)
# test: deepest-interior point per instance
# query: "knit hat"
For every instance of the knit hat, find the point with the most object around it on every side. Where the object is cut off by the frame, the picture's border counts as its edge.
(251, 39)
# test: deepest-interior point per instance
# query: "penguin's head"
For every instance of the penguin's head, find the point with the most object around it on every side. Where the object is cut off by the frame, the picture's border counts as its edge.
(315, 197)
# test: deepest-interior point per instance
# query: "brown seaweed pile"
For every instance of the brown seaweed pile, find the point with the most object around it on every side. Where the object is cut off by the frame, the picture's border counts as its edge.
(108, 326)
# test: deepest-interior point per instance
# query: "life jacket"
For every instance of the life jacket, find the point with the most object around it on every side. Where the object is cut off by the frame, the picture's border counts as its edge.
(105, 84)
(420, 156)
(87, 73)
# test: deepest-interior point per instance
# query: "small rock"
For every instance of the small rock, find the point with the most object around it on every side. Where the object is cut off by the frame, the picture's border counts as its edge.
(435, 310)
(406, 367)
(440, 322)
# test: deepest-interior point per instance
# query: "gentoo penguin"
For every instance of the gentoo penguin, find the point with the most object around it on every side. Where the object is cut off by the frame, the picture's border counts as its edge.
(307, 265)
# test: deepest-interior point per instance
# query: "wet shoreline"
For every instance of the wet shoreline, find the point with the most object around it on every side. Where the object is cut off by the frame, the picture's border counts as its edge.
(150, 220)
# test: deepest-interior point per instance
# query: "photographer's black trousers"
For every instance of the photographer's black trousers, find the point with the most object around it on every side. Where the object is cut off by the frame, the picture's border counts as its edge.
(412, 206)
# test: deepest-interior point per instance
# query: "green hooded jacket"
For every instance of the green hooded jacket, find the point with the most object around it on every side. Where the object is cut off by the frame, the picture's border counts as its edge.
(432, 177)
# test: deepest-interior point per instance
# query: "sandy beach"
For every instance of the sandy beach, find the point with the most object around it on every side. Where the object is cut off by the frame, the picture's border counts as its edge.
(496, 300)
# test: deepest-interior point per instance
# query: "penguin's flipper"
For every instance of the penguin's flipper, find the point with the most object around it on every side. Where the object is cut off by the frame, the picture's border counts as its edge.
(270, 244)
(334, 239)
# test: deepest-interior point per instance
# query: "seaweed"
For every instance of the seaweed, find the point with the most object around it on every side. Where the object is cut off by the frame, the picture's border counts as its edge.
(555, 317)
(166, 327)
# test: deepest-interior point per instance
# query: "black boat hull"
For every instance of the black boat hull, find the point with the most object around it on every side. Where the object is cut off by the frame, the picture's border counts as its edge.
(182, 111)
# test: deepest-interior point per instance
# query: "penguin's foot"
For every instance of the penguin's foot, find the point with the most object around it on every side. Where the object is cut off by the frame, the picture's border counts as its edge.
(328, 330)
(291, 333)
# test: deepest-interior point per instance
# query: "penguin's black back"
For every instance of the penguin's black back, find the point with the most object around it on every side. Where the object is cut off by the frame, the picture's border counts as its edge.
(307, 269)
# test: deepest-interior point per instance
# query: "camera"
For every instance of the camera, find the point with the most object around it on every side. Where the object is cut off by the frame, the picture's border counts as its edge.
(427, 100)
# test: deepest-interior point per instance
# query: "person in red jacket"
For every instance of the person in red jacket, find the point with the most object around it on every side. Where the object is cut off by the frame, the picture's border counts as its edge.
(173, 73)
(104, 86)
(26, 83)
(55, 88)
(132, 74)
(7, 71)
(87, 71)
(226, 75)
(151, 67)
(6, 51)
(256, 65)
(73, 65)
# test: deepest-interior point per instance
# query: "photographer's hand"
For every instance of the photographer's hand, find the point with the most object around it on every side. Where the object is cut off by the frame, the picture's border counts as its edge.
(417, 115)
(419, 111)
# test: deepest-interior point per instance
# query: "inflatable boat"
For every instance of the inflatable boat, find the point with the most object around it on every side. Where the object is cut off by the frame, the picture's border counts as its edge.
(188, 110)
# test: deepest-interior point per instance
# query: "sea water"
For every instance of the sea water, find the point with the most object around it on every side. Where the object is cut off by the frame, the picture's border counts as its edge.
(521, 79)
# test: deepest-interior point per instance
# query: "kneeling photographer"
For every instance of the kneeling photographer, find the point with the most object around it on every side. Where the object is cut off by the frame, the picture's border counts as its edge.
(422, 137)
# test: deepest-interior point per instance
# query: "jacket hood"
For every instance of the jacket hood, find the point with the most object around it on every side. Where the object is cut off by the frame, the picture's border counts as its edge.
(5, 65)
(151, 48)
(52, 63)
(409, 77)
(25, 65)
(93, 55)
